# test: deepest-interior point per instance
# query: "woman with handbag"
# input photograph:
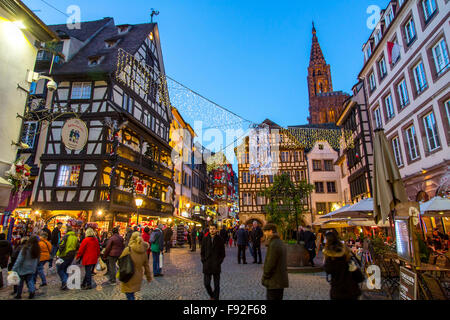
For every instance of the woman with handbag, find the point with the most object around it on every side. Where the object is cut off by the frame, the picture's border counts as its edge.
(137, 249)
(338, 265)
(89, 252)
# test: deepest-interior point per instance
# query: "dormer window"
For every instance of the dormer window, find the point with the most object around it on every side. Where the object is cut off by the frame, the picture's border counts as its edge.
(123, 28)
(95, 60)
(378, 35)
(111, 43)
(368, 50)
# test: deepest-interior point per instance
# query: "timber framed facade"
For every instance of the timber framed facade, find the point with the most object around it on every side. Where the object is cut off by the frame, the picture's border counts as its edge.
(115, 84)
(287, 157)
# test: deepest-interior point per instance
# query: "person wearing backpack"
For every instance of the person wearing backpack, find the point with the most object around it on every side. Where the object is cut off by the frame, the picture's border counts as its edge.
(46, 250)
(137, 249)
(67, 251)
(89, 252)
(157, 245)
(337, 258)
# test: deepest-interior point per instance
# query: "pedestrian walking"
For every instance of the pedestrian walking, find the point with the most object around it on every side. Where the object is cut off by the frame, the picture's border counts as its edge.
(88, 254)
(146, 238)
(26, 265)
(67, 251)
(6, 251)
(55, 241)
(157, 247)
(46, 250)
(137, 249)
(194, 239)
(212, 256)
(309, 238)
(337, 258)
(256, 235)
(128, 234)
(242, 241)
(275, 276)
(168, 233)
(113, 250)
(224, 234)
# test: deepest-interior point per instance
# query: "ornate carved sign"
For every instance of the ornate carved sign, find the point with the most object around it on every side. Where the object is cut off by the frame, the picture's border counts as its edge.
(74, 134)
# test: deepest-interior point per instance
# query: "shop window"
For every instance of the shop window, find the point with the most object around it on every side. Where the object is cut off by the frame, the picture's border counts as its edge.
(321, 208)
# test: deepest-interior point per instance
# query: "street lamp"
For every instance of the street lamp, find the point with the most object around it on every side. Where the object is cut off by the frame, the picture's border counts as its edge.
(138, 202)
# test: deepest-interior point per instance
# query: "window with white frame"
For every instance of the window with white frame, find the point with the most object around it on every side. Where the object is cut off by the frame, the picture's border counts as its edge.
(247, 199)
(285, 156)
(397, 151)
(429, 8)
(29, 133)
(81, 90)
(389, 17)
(412, 143)
(447, 110)
(372, 82)
(403, 93)
(389, 107)
(419, 77)
(382, 68)
(260, 199)
(68, 175)
(246, 177)
(378, 35)
(368, 51)
(440, 56)
(378, 122)
(410, 31)
(431, 132)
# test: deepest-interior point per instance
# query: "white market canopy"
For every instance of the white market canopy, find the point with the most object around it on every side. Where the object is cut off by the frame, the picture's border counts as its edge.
(351, 222)
(362, 209)
(436, 206)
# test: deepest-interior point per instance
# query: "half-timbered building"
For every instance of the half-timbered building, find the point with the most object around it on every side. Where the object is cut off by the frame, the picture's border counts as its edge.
(287, 157)
(113, 81)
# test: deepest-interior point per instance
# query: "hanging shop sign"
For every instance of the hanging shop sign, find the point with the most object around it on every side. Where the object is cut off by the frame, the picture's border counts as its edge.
(74, 134)
(197, 210)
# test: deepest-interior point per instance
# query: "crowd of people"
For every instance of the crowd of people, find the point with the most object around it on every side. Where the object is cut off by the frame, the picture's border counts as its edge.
(27, 256)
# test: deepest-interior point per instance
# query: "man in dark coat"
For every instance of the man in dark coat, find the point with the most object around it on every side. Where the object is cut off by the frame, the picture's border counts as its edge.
(256, 235)
(5, 253)
(168, 233)
(48, 232)
(310, 243)
(113, 250)
(212, 255)
(275, 276)
(55, 240)
(223, 234)
(242, 241)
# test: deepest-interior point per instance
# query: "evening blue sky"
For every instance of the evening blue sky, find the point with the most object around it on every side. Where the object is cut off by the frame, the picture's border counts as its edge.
(249, 56)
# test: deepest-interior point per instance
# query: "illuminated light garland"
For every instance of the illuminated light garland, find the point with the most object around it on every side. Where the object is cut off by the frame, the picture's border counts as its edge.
(306, 138)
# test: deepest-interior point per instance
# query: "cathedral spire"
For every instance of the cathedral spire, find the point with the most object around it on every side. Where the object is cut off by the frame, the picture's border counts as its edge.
(316, 51)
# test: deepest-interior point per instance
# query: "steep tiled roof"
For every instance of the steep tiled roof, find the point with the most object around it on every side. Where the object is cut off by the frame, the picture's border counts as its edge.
(86, 30)
(130, 42)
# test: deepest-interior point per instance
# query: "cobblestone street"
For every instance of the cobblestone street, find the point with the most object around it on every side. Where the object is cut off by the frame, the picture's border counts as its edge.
(183, 280)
